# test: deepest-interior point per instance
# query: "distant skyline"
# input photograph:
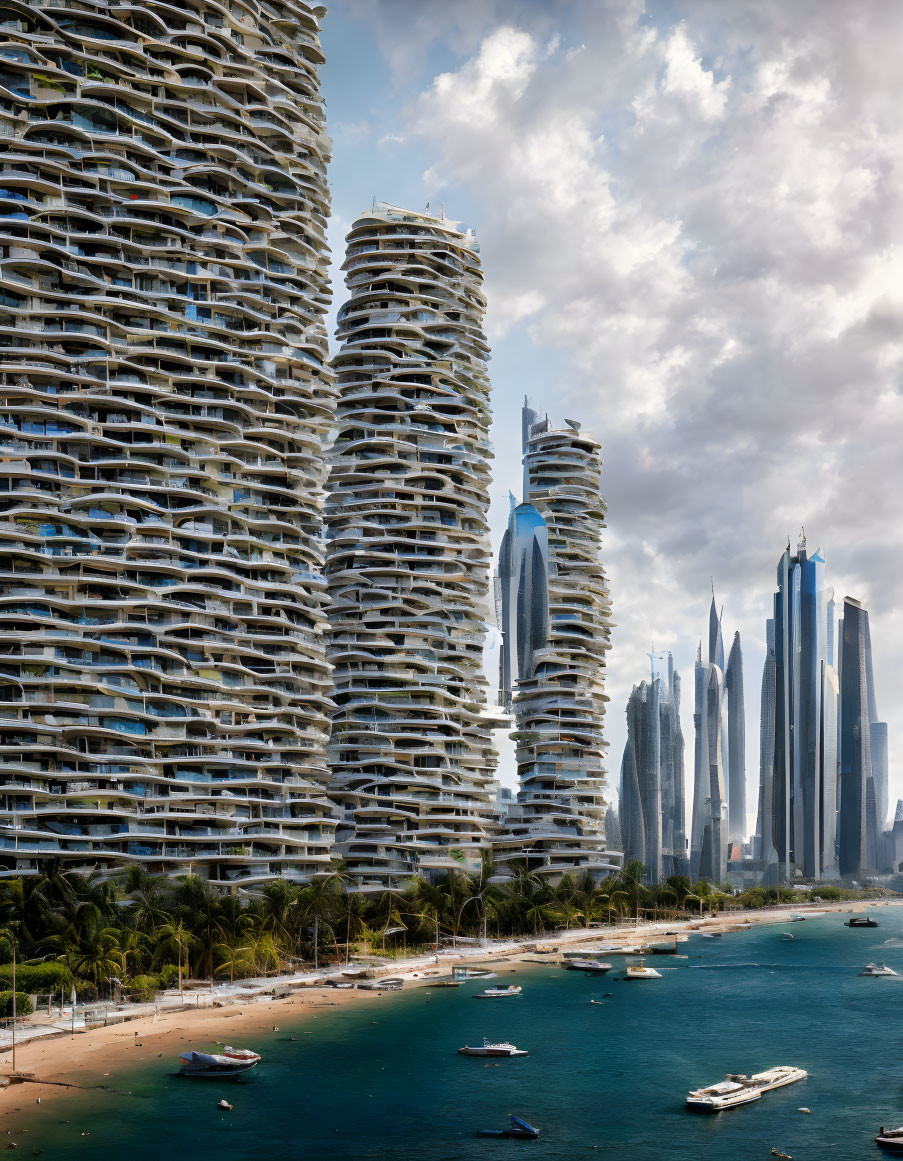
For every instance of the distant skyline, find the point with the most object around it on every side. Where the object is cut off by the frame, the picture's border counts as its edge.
(690, 224)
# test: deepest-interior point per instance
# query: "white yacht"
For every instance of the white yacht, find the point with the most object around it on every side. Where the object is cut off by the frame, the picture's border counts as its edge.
(877, 969)
(738, 1089)
(639, 971)
(498, 992)
(503, 1048)
(595, 966)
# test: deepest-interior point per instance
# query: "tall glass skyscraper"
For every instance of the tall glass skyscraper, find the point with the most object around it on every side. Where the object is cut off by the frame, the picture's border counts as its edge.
(863, 753)
(652, 776)
(800, 736)
(165, 399)
(554, 617)
(408, 552)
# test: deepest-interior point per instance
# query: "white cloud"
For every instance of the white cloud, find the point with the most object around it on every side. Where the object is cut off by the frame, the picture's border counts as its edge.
(704, 220)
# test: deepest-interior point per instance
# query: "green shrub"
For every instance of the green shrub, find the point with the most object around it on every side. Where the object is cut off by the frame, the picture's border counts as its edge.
(23, 1004)
(169, 975)
(142, 987)
(49, 976)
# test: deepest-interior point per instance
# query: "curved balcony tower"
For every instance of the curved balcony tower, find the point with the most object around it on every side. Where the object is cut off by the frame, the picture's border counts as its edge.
(556, 628)
(165, 396)
(407, 554)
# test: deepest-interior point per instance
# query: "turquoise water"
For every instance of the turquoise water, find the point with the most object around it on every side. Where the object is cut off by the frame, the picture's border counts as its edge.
(385, 1081)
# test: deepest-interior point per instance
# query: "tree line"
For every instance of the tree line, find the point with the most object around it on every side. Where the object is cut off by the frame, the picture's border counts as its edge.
(141, 932)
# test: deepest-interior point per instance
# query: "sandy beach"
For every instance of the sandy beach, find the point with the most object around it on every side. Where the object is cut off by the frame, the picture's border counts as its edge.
(101, 1055)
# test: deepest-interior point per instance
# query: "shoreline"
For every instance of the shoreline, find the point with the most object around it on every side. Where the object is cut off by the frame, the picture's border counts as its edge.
(102, 1053)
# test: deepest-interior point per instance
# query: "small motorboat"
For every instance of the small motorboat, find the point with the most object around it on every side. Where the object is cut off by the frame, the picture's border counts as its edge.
(466, 973)
(590, 966)
(877, 969)
(517, 1128)
(502, 1048)
(797, 918)
(498, 993)
(787, 935)
(890, 1139)
(239, 1053)
(711, 934)
(387, 984)
(861, 921)
(208, 1066)
(778, 1153)
(639, 971)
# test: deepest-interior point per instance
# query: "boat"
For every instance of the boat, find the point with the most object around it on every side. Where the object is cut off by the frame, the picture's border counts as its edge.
(891, 1139)
(502, 1048)
(590, 966)
(797, 918)
(877, 969)
(711, 934)
(239, 1053)
(861, 921)
(787, 935)
(517, 1128)
(639, 971)
(778, 1153)
(210, 1066)
(466, 973)
(498, 993)
(388, 984)
(739, 1089)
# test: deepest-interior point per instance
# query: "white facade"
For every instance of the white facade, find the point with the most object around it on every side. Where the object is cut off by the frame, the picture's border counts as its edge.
(165, 393)
(408, 553)
(556, 625)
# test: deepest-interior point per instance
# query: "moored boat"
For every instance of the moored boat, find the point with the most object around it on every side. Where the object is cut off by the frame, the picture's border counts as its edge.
(739, 1089)
(239, 1053)
(498, 993)
(639, 971)
(502, 1048)
(206, 1065)
(861, 921)
(590, 966)
(890, 1139)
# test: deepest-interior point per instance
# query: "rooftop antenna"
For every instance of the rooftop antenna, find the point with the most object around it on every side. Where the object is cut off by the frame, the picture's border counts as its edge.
(443, 210)
(427, 207)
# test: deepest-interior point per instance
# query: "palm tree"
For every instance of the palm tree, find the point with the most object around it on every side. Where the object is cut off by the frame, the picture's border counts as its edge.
(97, 956)
(175, 934)
(318, 901)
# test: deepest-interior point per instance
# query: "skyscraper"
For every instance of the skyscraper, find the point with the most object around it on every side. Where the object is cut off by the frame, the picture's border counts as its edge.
(799, 737)
(554, 618)
(708, 841)
(863, 753)
(408, 553)
(736, 744)
(165, 397)
(652, 787)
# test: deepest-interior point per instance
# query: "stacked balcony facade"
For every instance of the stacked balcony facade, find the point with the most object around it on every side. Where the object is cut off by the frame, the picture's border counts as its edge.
(556, 634)
(165, 396)
(407, 553)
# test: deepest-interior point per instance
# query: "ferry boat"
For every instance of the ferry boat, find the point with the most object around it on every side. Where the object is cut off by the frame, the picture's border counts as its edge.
(498, 993)
(208, 1065)
(739, 1089)
(503, 1048)
(593, 966)
(639, 971)
(861, 921)
(890, 1139)
(877, 969)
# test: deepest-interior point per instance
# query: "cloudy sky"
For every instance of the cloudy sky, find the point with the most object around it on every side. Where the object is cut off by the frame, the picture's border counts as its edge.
(690, 221)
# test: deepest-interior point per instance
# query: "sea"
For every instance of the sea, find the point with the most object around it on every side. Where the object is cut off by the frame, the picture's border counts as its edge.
(384, 1080)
